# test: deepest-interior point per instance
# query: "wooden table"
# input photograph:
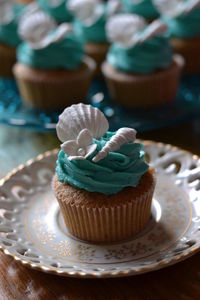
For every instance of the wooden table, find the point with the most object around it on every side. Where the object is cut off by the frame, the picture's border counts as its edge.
(181, 281)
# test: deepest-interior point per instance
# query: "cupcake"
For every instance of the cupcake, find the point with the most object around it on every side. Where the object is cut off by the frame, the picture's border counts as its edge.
(144, 8)
(183, 20)
(51, 70)
(9, 38)
(140, 69)
(56, 9)
(102, 183)
(90, 21)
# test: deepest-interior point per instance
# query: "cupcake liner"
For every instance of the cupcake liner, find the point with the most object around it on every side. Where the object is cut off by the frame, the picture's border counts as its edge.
(144, 90)
(52, 90)
(7, 60)
(114, 222)
(98, 53)
(190, 50)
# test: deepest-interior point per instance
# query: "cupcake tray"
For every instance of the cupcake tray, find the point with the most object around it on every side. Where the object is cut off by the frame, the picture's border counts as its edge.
(32, 229)
(186, 106)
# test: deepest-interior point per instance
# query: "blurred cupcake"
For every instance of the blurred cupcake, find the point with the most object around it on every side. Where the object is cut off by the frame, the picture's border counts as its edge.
(51, 63)
(9, 38)
(140, 69)
(103, 185)
(144, 8)
(56, 9)
(183, 20)
(90, 22)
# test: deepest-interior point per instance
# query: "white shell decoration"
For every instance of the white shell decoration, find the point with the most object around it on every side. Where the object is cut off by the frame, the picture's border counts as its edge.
(174, 8)
(87, 11)
(80, 148)
(122, 136)
(6, 11)
(40, 30)
(78, 117)
(122, 28)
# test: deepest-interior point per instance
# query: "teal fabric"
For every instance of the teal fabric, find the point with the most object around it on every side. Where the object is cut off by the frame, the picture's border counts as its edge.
(144, 8)
(66, 54)
(118, 170)
(146, 58)
(187, 26)
(59, 13)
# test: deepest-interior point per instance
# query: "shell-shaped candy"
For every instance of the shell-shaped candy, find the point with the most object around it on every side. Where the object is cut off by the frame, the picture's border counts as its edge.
(174, 8)
(78, 117)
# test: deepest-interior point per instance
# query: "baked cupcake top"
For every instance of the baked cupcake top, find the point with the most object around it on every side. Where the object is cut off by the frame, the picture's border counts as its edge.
(138, 47)
(56, 9)
(9, 15)
(93, 158)
(53, 47)
(181, 16)
(144, 8)
(91, 17)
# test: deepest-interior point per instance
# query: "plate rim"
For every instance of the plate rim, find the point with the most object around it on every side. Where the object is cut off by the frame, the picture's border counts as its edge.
(77, 274)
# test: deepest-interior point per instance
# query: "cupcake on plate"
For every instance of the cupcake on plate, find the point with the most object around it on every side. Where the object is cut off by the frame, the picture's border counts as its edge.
(140, 69)
(144, 8)
(183, 20)
(52, 70)
(56, 9)
(90, 22)
(103, 185)
(9, 38)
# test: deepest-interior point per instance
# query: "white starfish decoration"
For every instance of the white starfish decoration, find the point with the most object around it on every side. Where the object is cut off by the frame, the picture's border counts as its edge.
(80, 148)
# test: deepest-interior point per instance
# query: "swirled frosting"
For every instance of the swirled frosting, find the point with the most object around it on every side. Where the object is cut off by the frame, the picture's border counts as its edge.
(58, 12)
(118, 170)
(185, 26)
(65, 54)
(152, 55)
(8, 31)
(144, 8)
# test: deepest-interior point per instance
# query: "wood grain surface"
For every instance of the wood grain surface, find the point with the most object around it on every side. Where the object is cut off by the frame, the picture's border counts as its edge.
(181, 281)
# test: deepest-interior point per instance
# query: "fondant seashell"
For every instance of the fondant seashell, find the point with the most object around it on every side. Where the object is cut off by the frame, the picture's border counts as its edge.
(6, 11)
(78, 117)
(123, 135)
(87, 11)
(174, 8)
(122, 28)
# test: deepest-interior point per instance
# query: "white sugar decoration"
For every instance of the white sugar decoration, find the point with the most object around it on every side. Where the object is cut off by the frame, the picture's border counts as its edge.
(40, 30)
(175, 8)
(6, 11)
(129, 30)
(123, 135)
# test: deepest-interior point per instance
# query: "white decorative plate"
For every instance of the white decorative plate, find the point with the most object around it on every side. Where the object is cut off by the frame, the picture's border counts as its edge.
(32, 229)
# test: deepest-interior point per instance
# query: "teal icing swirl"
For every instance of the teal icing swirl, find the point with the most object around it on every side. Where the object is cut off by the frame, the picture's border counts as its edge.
(145, 58)
(95, 33)
(59, 13)
(8, 32)
(65, 54)
(118, 170)
(186, 26)
(143, 8)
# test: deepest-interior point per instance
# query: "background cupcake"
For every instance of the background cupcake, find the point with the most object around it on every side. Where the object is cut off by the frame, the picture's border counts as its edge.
(144, 8)
(9, 38)
(90, 22)
(140, 69)
(183, 20)
(51, 70)
(103, 185)
(56, 9)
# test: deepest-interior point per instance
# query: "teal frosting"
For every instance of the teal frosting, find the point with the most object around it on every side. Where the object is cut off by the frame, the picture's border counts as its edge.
(8, 32)
(143, 8)
(95, 33)
(110, 175)
(65, 54)
(59, 13)
(148, 57)
(187, 26)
